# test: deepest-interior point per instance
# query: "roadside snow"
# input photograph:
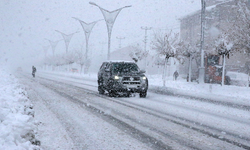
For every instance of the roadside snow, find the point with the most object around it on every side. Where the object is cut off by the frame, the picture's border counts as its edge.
(17, 126)
(239, 94)
(207, 90)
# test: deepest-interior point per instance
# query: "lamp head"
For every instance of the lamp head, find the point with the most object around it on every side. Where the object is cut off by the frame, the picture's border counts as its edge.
(92, 3)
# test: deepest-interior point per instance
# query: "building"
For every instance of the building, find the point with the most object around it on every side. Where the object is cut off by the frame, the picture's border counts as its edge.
(219, 17)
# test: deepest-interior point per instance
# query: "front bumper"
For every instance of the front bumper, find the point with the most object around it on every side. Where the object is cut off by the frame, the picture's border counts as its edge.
(130, 86)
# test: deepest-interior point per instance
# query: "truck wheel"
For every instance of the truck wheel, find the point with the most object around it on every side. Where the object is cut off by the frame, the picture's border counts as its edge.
(112, 93)
(101, 90)
(128, 94)
(100, 86)
(143, 94)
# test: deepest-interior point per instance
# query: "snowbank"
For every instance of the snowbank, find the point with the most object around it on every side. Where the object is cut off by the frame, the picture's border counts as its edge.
(207, 91)
(240, 79)
(17, 126)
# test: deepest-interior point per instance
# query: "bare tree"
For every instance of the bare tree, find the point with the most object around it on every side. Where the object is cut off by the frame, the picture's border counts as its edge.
(224, 47)
(235, 38)
(165, 45)
(191, 51)
(240, 30)
(138, 53)
(69, 59)
(80, 59)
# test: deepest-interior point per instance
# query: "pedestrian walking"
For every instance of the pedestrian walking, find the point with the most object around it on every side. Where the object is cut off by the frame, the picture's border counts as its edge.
(33, 71)
(175, 75)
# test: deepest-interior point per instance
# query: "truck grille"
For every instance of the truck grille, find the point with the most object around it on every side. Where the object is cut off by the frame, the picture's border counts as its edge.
(131, 83)
(131, 80)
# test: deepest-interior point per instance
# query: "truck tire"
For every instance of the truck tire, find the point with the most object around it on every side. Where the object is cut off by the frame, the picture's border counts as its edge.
(112, 93)
(143, 94)
(100, 86)
(101, 90)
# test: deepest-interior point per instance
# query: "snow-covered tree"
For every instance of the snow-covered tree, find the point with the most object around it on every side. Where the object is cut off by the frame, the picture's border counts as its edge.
(138, 53)
(158, 61)
(191, 51)
(165, 45)
(240, 30)
(69, 58)
(223, 47)
(58, 60)
(80, 59)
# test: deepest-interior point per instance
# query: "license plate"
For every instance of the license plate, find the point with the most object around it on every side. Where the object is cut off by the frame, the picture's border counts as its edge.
(131, 86)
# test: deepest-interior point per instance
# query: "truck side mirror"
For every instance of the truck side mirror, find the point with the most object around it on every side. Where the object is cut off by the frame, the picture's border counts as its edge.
(107, 70)
(142, 71)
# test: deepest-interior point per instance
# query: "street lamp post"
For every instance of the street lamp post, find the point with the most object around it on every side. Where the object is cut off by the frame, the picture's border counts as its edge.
(110, 17)
(87, 27)
(53, 45)
(66, 38)
(203, 19)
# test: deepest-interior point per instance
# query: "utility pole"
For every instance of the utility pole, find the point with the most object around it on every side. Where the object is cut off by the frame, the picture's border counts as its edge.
(145, 42)
(203, 20)
(120, 41)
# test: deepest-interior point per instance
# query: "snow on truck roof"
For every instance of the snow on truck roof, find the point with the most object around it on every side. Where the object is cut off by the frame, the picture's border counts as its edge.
(126, 61)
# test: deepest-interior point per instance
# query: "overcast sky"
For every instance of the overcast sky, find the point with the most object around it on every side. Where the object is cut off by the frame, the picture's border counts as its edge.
(25, 24)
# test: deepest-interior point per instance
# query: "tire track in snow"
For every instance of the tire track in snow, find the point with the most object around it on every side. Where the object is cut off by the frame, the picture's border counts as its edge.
(72, 126)
(219, 137)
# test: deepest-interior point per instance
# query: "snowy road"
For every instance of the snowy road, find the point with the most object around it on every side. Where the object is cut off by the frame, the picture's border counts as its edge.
(73, 115)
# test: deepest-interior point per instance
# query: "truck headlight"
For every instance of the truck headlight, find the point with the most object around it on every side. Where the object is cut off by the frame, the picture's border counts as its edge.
(143, 80)
(116, 77)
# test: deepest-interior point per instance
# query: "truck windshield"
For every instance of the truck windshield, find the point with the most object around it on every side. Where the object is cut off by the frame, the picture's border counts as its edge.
(124, 67)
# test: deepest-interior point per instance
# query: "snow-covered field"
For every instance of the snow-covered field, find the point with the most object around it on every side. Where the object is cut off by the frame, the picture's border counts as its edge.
(17, 126)
(16, 115)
